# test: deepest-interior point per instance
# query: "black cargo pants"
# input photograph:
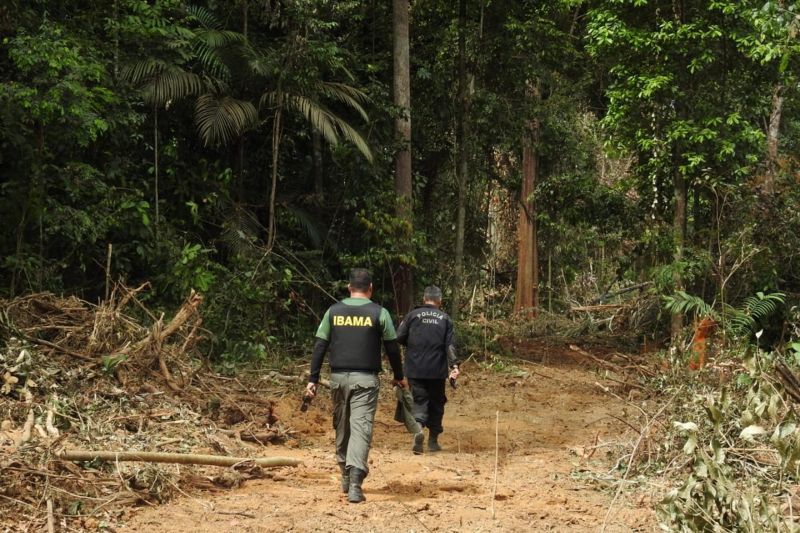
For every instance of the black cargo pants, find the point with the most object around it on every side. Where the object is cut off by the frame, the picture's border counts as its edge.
(429, 400)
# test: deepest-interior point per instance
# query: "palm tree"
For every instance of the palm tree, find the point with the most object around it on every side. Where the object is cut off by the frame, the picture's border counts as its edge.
(222, 118)
(164, 80)
(161, 83)
(321, 118)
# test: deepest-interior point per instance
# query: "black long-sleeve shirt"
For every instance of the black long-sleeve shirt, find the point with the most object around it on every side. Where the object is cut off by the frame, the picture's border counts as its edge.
(429, 337)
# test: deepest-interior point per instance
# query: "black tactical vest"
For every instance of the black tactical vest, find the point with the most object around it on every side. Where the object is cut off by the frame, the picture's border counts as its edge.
(356, 334)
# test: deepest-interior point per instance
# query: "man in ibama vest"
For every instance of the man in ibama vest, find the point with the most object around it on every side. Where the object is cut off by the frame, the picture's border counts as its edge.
(427, 333)
(351, 333)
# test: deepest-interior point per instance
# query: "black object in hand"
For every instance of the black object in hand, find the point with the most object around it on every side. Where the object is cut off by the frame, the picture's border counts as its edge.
(453, 382)
(306, 403)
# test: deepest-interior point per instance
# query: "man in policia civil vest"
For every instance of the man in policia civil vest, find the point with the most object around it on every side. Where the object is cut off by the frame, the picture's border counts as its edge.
(351, 332)
(427, 333)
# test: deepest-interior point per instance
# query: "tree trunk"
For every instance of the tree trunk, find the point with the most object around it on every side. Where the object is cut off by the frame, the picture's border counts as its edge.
(316, 147)
(239, 164)
(461, 167)
(116, 41)
(155, 164)
(402, 179)
(772, 138)
(526, 300)
(245, 18)
(276, 145)
(679, 232)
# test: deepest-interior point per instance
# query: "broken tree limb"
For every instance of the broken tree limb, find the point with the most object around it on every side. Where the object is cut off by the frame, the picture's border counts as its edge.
(56, 347)
(174, 458)
(260, 438)
(608, 295)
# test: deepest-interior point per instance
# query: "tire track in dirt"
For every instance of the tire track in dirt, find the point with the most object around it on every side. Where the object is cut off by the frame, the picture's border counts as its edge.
(546, 414)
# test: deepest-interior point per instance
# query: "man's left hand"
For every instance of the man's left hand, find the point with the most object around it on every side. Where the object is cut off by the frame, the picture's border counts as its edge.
(454, 373)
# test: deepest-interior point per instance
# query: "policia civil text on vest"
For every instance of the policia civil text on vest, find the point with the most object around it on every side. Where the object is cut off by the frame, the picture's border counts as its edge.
(351, 334)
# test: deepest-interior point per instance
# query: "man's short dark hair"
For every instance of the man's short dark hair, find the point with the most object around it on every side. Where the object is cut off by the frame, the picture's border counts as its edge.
(360, 279)
(432, 294)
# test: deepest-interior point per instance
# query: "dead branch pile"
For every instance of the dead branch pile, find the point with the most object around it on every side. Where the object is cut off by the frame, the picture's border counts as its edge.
(105, 335)
(116, 378)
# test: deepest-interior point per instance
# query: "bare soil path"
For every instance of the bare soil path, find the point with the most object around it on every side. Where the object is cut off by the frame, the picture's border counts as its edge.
(553, 423)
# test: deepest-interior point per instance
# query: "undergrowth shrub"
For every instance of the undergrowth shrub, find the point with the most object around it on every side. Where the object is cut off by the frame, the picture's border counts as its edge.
(740, 453)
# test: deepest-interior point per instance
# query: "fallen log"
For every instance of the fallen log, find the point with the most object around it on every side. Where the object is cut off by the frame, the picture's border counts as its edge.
(175, 458)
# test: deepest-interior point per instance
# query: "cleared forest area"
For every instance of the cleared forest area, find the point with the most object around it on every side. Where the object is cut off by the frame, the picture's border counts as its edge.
(605, 191)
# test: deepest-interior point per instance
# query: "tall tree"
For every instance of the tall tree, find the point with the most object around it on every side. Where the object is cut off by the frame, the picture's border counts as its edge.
(684, 98)
(403, 281)
(526, 299)
(462, 129)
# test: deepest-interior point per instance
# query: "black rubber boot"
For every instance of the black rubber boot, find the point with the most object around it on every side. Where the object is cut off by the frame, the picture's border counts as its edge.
(345, 478)
(419, 439)
(355, 494)
(433, 442)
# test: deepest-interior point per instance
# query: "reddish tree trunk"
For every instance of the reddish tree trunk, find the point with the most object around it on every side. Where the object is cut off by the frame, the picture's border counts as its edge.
(527, 295)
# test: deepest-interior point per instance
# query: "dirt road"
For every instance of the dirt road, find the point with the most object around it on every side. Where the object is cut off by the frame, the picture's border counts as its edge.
(553, 428)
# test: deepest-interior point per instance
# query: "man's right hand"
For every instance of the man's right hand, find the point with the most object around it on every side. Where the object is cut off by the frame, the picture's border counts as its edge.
(402, 383)
(311, 390)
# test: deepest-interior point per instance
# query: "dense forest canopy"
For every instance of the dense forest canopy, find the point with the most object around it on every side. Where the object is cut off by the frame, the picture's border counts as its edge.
(247, 149)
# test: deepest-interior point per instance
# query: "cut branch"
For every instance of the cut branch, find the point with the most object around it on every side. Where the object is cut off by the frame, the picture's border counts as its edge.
(174, 458)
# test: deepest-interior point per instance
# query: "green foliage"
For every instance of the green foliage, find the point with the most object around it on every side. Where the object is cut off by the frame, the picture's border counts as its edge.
(60, 83)
(684, 303)
(111, 362)
(728, 487)
(740, 322)
(629, 96)
(193, 270)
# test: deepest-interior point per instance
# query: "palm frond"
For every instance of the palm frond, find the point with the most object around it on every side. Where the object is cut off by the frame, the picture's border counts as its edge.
(762, 306)
(160, 83)
(170, 84)
(740, 323)
(754, 310)
(684, 303)
(354, 136)
(222, 119)
(219, 38)
(241, 229)
(307, 222)
(346, 94)
(142, 70)
(203, 16)
(323, 120)
(211, 60)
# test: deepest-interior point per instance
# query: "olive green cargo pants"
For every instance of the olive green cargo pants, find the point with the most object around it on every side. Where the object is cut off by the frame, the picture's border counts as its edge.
(355, 400)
